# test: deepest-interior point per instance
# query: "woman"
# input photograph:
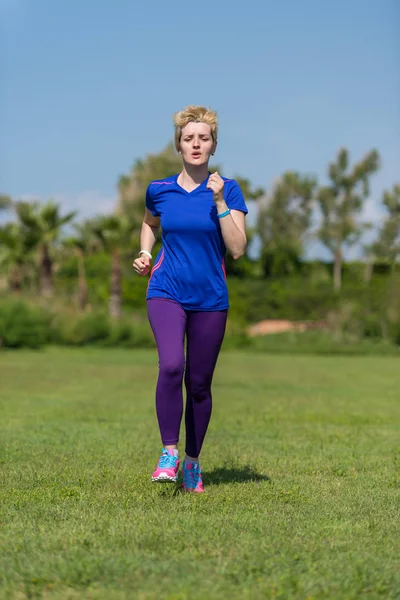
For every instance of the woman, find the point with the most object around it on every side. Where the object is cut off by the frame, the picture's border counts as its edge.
(202, 215)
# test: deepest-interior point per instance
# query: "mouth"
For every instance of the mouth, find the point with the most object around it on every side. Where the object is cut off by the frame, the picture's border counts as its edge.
(196, 154)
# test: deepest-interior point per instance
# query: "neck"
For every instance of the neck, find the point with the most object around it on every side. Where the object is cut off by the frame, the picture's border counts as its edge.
(193, 173)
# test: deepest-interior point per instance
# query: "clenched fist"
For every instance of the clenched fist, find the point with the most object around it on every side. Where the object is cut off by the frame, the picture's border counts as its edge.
(216, 184)
(142, 264)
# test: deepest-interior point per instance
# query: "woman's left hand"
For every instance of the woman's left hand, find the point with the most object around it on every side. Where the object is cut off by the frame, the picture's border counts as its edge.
(216, 184)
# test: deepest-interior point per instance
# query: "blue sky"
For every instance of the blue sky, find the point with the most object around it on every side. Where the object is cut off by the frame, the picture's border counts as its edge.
(90, 86)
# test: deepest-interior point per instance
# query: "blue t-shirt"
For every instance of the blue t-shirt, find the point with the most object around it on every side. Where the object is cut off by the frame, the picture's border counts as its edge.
(190, 267)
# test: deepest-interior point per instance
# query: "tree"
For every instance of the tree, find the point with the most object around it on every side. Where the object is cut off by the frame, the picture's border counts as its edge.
(249, 192)
(16, 247)
(5, 201)
(388, 244)
(341, 202)
(132, 187)
(44, 223)
(245, 266)
(115, 234)
(283, 220)
(82, 243)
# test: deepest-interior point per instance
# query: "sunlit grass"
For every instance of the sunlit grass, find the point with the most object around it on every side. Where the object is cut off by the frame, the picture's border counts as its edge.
(301, 470)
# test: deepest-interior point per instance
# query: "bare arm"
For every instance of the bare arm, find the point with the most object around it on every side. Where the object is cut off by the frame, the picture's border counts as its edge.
(148, 234)
(233, 231)
(148, 237)
(233, 227)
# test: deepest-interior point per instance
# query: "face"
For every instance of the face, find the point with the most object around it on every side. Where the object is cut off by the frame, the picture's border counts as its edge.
(196, 143)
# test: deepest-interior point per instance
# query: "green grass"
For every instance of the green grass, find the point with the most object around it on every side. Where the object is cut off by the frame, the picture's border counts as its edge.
(301, 470)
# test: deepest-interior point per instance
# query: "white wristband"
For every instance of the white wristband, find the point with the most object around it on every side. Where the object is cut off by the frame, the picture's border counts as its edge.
(146, 253)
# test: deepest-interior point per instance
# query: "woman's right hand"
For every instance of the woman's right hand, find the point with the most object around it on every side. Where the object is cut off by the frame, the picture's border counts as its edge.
(142, 264)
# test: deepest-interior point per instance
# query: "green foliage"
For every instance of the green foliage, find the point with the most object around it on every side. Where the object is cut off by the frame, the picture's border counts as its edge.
(388, 244)
(26, 325)
(114, 231)
(98, 329)
(132, 187)
(80, 330)
(281, 261)
(16, 247)
(355, 327)
(341, 203)
(289, 298)
(43, 223)
(42, 219)
(321, 343)
(248, 191)
(5, 202)
(283, 220)
(22, 325)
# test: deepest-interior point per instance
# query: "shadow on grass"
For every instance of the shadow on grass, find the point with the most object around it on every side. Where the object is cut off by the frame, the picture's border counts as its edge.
(221, 475)
(228, 474)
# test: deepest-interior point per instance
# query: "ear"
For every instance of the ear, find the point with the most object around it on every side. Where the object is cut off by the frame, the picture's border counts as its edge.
(213, 149)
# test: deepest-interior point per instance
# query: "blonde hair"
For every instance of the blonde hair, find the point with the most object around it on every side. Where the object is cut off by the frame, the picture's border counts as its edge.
(195, 114)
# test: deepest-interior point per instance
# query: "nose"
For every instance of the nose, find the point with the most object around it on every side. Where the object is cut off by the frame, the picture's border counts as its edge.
(196, 142)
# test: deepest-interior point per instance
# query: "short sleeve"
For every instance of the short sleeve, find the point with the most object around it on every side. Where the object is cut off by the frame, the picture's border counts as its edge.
(150, 202)
(235, 199)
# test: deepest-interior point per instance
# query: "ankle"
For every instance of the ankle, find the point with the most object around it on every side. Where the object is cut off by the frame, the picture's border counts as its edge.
(172, 449)
(191, 459)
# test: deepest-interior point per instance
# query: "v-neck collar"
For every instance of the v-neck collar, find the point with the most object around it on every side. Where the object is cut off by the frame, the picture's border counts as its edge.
(195, 189)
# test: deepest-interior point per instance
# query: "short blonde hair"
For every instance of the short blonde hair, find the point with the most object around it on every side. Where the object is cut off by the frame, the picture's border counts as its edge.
(195, 114)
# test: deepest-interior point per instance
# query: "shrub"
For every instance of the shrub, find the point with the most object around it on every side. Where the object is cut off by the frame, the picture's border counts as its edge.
(22, 325)
(80, 330)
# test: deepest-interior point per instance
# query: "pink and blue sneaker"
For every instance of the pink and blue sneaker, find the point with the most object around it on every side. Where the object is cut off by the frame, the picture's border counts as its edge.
(167, 468)
(192, 481)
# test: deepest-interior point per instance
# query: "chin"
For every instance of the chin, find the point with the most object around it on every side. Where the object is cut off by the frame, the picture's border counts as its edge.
(197, 163)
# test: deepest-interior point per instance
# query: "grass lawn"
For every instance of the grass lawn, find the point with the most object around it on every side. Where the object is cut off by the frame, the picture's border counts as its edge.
(301, 471)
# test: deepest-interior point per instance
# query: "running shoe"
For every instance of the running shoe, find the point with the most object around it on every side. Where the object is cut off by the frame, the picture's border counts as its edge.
(167, 468)
(192, 481)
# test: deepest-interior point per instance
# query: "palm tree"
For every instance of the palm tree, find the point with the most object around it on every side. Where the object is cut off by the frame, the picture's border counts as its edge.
(82, 243)
(16, 247)
(115, 234)
(44, 222)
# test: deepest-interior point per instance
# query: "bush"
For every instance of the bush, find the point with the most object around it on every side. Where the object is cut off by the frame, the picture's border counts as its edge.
(25, 325)
(359, 313)
(80, 330)
(321, 343)
(98, 329)
(128, 334)
(22, 325)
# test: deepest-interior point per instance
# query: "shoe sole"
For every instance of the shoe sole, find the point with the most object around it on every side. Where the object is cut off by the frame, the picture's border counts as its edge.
(164, 478)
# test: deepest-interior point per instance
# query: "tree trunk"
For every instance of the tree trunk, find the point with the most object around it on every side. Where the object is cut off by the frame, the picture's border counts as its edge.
(46, 272)
(115, 286)
(15, 279)
(369, 268)
(337, 271)
(83, 288)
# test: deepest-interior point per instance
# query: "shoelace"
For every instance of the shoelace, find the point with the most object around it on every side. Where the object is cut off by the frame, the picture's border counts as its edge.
(167, 460)
(191, 476)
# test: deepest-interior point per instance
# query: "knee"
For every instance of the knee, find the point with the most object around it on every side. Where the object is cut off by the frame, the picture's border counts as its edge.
(172, 369)
(200, 390)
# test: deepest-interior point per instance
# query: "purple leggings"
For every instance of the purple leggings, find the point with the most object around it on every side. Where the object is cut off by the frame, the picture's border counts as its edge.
(204, 335)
